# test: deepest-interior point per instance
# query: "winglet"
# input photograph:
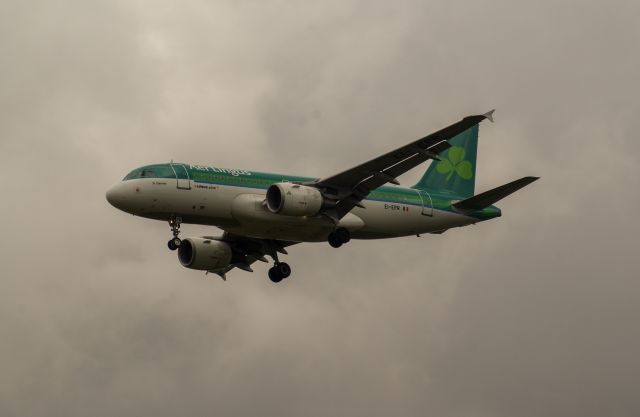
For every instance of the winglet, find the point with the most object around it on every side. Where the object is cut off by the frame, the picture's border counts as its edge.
(489, 115)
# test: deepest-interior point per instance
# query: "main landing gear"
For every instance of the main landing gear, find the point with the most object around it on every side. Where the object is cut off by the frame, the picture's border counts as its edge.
(339, 237)
(279, 271)
(175, 241)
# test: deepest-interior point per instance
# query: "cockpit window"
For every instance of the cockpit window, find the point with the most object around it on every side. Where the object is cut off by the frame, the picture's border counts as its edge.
(151, 171)
(133, 174)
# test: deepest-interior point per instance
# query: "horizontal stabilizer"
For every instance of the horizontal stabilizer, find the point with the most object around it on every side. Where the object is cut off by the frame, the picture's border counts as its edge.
(482, 200)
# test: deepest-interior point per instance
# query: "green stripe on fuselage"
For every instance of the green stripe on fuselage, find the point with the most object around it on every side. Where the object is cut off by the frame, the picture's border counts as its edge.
(262, 180)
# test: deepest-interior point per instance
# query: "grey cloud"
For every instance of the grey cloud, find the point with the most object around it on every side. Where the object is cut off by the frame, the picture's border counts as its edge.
(530, 314)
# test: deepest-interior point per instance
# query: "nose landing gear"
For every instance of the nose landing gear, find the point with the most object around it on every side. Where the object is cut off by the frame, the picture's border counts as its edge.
(339, 237)
(175, 241)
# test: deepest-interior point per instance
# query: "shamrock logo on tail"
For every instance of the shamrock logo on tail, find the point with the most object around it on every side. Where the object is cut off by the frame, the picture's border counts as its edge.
(455, 162)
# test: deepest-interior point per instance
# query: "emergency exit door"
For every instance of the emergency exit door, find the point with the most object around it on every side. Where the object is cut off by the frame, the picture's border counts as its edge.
(427, 203)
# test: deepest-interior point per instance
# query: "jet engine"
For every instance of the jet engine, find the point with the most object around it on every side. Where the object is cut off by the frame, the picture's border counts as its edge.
(204, 254)
(292, 199)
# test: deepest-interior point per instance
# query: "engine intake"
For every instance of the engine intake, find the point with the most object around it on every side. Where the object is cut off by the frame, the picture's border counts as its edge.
(292, 199)
(204, 254)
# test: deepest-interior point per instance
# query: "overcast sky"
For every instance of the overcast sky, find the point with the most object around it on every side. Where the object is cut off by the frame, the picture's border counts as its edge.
(533, 314)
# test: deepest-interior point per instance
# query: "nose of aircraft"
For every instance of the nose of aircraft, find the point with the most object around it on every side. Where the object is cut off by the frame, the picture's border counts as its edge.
(115, 196)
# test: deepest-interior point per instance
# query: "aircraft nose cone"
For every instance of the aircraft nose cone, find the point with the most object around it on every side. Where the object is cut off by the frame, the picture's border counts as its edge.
(114, 196)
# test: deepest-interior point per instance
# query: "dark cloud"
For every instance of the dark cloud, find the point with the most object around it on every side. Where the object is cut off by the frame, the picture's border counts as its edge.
(531, 314)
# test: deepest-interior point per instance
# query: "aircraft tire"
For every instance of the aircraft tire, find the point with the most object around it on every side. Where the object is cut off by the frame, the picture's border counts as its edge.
(171, 244)
(334, 240)
(284, 270)
(274, 275)
(343, 235)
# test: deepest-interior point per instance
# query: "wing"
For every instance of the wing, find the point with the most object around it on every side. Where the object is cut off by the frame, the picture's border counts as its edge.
(247, 250)
(350, 187)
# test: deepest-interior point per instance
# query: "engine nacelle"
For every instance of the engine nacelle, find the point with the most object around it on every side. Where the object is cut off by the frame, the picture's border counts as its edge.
(204, 254)
(292, 199)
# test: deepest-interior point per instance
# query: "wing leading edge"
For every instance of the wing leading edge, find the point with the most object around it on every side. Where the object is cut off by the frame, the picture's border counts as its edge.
(348, 188)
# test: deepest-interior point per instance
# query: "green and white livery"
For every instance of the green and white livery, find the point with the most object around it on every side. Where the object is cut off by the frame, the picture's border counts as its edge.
(263, 213)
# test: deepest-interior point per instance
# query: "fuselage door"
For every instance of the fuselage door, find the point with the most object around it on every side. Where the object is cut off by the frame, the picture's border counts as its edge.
(427, 203)
(182, 176)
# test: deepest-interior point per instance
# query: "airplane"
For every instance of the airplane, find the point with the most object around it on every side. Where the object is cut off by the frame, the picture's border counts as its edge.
(262, 214)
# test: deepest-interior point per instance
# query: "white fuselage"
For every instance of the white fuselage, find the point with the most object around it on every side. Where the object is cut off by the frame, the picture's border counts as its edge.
(240, 210)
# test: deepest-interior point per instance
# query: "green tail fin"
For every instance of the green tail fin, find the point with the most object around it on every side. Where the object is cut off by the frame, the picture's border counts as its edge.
(456, 171)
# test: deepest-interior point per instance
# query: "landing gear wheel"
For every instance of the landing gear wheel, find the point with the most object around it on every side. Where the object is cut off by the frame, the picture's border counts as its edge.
(174, 243)
(334, 240)
(279, 271)
(343, 234)
(339, 237)
(283, 269)
(274, 275)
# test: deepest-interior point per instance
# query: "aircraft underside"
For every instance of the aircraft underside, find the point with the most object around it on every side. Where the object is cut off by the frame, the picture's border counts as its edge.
(252, 231)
